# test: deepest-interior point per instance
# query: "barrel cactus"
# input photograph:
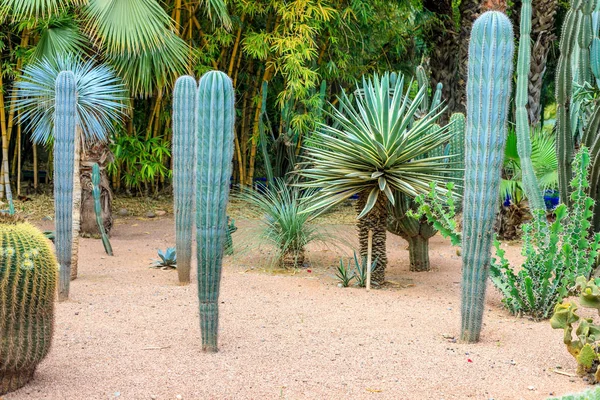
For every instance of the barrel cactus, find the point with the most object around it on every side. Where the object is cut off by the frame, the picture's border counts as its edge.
(184, 158)
(489, 79)
(215, 113)
(28, 275)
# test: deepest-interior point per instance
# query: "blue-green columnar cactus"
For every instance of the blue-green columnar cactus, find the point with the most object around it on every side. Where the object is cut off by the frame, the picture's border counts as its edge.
(184, 160)
(64, 158)
(489, 78)
(98, 208)
(215, 116)
(530, 183)
(457, 148)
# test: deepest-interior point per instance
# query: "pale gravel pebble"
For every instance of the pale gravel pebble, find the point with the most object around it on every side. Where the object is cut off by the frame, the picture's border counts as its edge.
(292, 337)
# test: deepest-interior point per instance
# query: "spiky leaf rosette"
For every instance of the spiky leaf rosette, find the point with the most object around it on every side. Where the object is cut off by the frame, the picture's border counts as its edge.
(375, 146)
(100, 97)
(28, 274)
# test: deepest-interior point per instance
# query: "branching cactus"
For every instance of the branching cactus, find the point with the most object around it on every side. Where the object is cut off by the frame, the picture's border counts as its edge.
(64, 158)
(489, 77)
(28, 273)
(98, 208)
(184, 159)
(530, 183)
(215, 117)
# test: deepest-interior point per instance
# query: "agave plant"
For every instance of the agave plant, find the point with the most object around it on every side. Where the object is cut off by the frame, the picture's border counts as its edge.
(374, 147)
(286, 224)
(167, 259)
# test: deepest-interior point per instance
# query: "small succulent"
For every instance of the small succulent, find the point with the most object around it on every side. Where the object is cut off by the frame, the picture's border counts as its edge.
(343, 274)
(168, 259)
(360, 270)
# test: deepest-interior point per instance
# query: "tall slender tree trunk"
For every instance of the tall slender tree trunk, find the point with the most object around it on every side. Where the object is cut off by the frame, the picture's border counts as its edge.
(469, 11)
(443, 59)
(376, 221)
(543, 36)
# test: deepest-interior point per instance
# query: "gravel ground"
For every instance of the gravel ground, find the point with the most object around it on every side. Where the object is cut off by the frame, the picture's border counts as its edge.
(130, 332)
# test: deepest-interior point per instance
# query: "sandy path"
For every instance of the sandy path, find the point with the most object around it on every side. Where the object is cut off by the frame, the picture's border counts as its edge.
(130, 332)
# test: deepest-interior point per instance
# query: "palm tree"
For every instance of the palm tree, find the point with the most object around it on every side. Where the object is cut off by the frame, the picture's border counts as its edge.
(101, 99)
(375, 147)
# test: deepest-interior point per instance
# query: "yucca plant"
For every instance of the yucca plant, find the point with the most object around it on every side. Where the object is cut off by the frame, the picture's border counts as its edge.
(100, 98)
(286, 224)
(374, 147)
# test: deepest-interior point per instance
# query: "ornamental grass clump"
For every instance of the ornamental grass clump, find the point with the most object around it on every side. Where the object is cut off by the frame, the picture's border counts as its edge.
(287, 219)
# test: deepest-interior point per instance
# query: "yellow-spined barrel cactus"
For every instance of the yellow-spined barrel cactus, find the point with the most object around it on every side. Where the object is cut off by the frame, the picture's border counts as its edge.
(28, 275)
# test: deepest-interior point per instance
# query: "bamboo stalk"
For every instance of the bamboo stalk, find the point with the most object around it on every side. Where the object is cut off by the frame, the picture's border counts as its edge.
(236, 45)
(369, 257)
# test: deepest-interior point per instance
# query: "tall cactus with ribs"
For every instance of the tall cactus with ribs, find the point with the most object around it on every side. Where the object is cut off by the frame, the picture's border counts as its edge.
(530, 182)
(491, 51)
(207, 111)
(65, 124)
(184, 159)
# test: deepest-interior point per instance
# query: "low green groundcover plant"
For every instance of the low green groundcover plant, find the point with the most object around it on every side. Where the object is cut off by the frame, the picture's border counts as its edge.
(555, 252)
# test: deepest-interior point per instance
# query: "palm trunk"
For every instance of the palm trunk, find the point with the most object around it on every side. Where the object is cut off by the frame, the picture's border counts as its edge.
(542, 34)
(469, 10)
(376, 221)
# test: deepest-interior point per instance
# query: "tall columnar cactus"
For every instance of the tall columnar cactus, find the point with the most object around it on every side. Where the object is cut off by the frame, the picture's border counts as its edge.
(530, 183)
(28, 272)
(457, 148)
(491, 51)
(98, 209)
(215, 116)
(64, 158)
(564, 136)
(184, 163)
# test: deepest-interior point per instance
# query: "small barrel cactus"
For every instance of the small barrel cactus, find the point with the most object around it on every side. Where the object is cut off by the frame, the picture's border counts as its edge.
(28, 275)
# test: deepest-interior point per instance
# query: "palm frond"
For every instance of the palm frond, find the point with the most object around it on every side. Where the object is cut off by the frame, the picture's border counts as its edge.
(59, 36)
(101, 97)
(25, 9)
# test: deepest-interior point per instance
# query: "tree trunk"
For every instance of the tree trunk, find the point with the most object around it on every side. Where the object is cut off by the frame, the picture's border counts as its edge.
(376, 221)
(292, 259)
(443, 60)
(542, 35)
(98, 153)
(418, 250)
(469, 11)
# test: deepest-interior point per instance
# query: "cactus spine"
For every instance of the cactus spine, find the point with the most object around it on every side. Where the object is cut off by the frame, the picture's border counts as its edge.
(28, 271)
(488, 93)
(530, 183)
(98, 208)
(184, 159)
(215, 116)
(64, 159)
